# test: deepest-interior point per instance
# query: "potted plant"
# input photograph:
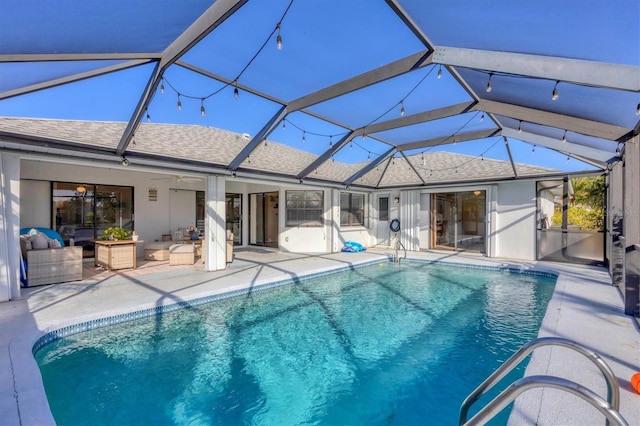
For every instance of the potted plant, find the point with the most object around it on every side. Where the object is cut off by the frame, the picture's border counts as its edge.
(116, 234)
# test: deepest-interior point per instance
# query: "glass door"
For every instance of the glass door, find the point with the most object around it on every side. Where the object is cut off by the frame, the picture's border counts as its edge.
(233, 204)
(459, 220)
(81, 212)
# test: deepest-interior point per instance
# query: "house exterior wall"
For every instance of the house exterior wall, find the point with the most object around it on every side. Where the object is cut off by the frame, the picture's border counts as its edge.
(152, 218)
(515, 220)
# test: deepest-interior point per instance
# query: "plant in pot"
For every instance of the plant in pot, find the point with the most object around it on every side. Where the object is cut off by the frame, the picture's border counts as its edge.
(116, 234)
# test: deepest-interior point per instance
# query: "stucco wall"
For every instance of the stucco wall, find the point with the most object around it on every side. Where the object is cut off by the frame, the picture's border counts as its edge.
(515, 216)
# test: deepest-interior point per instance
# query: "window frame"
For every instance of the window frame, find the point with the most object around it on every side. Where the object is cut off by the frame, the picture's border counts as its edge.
(351, 211)
(310, 202)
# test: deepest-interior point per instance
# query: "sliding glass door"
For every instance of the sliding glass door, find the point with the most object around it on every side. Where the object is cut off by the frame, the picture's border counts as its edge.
(82, 212)
(459, 220)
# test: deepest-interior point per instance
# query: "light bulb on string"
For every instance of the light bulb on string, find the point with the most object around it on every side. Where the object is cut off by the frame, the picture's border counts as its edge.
(439, 72)
(568, 158)
(202, 113)
(330, 141)
(481, 157)
(564, 137)
(554, 94)
(284, 124)
(148, 117)
(332, 159)
(402, 108)
(533, 150)
(489, 85)
(278, 37)
(638, 109)
(482, 117)
(179, 103)
(304, 136)
(351, 145)
(162, 86)
(368, 155)
(236, 92)
(520, 127)
(422, 158)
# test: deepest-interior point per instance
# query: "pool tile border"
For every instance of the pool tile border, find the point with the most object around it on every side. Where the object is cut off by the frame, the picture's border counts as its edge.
(70, 330)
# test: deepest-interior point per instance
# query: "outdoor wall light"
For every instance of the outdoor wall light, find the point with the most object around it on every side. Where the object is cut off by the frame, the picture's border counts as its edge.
(396, 199)
(81, 188)
(125, 161)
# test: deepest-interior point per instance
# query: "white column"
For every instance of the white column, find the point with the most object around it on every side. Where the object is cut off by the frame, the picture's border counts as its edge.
(214, 228)
(9, 227)
(410, 219)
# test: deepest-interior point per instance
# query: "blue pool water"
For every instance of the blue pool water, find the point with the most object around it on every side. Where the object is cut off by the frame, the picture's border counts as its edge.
(381, 344)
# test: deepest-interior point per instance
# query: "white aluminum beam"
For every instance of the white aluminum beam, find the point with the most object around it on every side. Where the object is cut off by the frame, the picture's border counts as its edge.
(576, 71)
(58, 57)
(569, 148)
(460, 137)
(559, 121)
(361, 81)
(421, 117)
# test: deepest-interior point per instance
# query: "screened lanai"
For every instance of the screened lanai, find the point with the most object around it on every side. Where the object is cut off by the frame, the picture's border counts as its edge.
(362, 83)
(370, 94)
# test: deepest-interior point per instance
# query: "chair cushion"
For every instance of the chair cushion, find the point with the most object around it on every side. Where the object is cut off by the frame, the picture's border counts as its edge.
(182, 248)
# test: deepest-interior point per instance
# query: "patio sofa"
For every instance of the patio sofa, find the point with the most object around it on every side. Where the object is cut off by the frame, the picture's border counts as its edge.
(46, 260)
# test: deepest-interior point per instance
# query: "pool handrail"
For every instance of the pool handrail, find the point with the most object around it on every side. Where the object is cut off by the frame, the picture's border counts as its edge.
(613, 388)
(531, 382)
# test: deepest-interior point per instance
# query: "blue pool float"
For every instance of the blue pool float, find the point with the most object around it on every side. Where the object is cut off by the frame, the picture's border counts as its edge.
(352, 247)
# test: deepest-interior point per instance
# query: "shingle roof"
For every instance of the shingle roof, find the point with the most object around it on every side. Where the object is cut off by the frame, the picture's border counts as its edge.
(219, 147)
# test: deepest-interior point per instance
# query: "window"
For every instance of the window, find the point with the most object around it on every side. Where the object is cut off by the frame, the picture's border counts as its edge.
(383, 209)
(304, 208)
(351, 209)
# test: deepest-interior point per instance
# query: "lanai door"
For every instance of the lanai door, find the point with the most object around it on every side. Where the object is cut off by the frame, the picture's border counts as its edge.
(382, 227)
(459, 220)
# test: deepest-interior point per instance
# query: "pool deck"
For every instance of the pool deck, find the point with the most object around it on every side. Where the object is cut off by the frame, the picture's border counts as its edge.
(584, 308)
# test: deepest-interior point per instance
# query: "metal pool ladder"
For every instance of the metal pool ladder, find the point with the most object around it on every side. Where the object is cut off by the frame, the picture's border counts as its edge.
(609, 407)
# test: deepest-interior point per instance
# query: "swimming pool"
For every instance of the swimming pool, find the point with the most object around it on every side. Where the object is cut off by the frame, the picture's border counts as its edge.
(378, 344)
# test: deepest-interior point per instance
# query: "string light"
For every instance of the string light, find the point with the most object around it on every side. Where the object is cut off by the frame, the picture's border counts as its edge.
(422, 159)
(162, 85)
(332, 159)
(330, 141)
(533, 150)
(482, 117)
(481, 157)
(148, 116)
(179, 103)
(304, 136)
(278, 37)
(638, 109)
(368, 155)
(402, 108)
(564, 137)
(568, 158)
(439, 72)
(489, 86)
(202, 113)
(520, 127)
(236, 92)
(554, 94)
(284, 124)
(351, 145)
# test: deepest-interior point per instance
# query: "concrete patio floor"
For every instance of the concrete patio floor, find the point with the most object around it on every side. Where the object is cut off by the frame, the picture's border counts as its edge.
(584, 308)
